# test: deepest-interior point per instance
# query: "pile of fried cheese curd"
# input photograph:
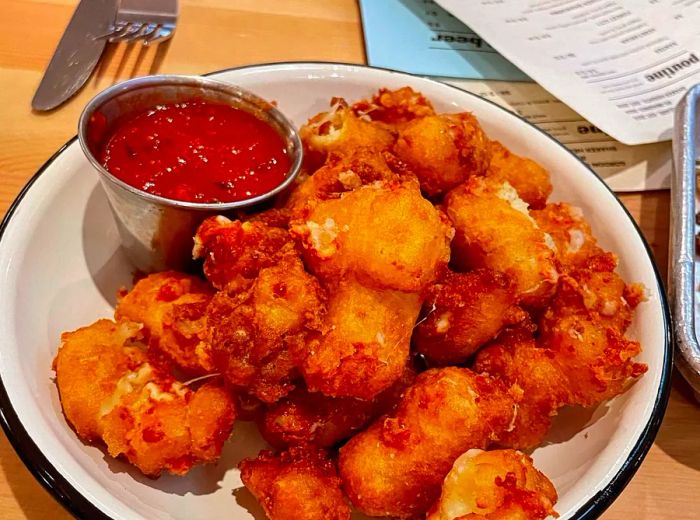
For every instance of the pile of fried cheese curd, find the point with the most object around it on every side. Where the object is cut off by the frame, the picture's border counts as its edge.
(410, 315)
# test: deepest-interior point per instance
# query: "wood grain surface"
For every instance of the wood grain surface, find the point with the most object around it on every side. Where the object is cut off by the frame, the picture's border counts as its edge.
(216, 34)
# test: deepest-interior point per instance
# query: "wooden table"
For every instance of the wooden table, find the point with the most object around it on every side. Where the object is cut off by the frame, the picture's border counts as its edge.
(215, 34)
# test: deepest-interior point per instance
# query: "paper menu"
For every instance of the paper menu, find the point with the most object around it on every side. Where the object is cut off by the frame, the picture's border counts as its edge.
(624, 64)
(420, 37)
(624, 168)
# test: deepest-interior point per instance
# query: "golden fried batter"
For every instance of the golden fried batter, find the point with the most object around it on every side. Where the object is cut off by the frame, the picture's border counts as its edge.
(277, 217)
(494, 230)
(172, 307)
(341, 172)
(576, 245)
(255, 333)
(607, 295)
(494, 485)
(311, 417)
(339, 130)
(299, 484)
(163, 425)
(366, 347)
(529, 179)
(396, 466)
(443, 150)
(597, 358)
(235, 251)
(88, 365)
(109, 392)
(579, 359)
(464, 311)
(386, 234)
(604, 292)
(536, 378)
(394, 107)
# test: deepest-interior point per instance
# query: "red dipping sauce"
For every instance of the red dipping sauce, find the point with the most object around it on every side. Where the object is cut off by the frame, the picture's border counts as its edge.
(197, 151)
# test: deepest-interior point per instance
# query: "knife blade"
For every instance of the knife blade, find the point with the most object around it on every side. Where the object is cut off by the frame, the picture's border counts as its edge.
(77, 53)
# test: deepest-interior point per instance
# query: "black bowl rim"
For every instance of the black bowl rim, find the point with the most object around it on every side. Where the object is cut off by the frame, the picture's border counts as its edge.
(81, 507)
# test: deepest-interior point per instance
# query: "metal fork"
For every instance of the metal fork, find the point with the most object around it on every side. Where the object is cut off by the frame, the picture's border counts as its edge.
(148, 21)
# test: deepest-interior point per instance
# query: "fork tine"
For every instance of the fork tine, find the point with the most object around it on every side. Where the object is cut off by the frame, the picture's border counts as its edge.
(115, 30)
(148, 30)
(135, 35)
(124, 28)
(162, 33)
(127, 34)
(153, 34)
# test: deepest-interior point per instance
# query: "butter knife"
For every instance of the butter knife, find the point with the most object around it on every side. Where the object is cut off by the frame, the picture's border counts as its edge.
(77, 53)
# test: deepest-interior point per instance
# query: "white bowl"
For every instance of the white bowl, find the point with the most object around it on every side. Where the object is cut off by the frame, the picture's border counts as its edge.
(60, 266)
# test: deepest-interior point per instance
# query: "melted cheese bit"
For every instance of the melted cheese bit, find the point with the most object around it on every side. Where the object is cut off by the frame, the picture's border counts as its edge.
(128, 383)
(510, 195)
(443, 323)
(349, 179)
(323, 237)
(576, 240)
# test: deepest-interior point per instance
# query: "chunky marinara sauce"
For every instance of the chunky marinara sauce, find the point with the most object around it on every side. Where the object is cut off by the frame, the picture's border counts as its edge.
(197, 152)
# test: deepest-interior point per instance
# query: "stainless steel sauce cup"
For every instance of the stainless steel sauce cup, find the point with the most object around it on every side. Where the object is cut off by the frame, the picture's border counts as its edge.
(156, 232)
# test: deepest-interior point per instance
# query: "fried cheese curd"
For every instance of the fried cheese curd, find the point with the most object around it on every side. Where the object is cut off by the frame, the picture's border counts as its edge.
(368, 339)
(172, 307)
(577, 359)
(374, 280)
(110, 393)
(576, 245)
(256, 333)
(305, 417)
(396, 466)
(463, 311)
(340, 237)
(534, 375)
(298, 484)
(529, 179)
(605, 293)
(596, 356)
(494, 485)
(494, 230)
(341, 129)
(340, 173)
(443, 150)
(234, 252)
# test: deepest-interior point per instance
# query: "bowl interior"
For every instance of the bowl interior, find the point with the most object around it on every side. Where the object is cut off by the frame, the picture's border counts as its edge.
(60, 267)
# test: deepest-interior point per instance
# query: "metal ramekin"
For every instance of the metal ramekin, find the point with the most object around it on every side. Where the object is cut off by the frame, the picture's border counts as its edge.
(156, 232)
